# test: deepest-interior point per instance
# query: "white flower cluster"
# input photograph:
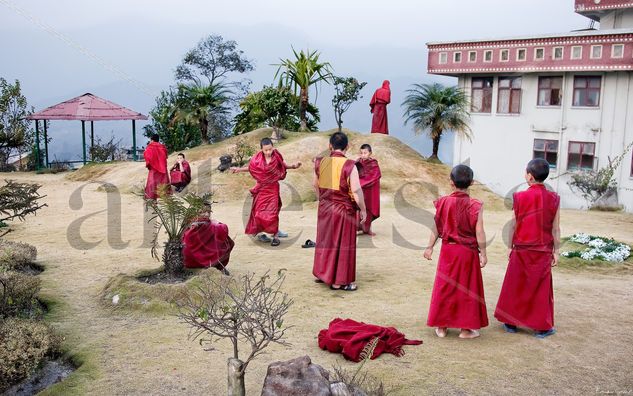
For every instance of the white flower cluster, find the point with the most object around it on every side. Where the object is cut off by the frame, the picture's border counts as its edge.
(600, 248)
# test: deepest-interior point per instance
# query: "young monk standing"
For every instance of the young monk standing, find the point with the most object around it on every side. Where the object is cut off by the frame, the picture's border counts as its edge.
(339, 192)
(156, 162)
(267, 168)
(527, 295)
(369, 175)
(458, 293)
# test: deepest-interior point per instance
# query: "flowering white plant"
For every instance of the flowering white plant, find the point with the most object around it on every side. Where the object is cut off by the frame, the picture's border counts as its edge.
(599, 248)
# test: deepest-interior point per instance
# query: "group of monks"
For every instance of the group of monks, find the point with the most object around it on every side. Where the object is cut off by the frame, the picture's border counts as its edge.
(348, 194)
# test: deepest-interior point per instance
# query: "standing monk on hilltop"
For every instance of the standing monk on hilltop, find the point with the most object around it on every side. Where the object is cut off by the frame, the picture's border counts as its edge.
(267, 168)
(339, 192)
(156, 162)
(378, 105)
(369, 175)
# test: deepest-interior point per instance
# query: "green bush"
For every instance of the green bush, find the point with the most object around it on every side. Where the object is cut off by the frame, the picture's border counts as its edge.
(16, 255)
(24, 344)
(18, 295)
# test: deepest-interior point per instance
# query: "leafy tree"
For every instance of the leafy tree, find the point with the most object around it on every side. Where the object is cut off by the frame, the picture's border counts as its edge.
(18, 200)
(347, 92)
(176, 135)
(302, 73)
(202, 106)
(103, 151)
(15, 134)
(434, 108)
(242, 151)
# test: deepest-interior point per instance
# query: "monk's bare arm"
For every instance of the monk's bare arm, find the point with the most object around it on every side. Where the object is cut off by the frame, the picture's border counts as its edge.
(428, 252)
(511, 228)
(556, 235)
(296, 165)
(315, 185)
(235, 169)
(357, 190)
(481, 238)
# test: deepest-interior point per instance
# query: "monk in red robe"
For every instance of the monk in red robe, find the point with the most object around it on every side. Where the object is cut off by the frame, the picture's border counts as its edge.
(378, 105)
(206, 243)
(458, 292)
(156, 162)
(369, 175)
(340, 195)
(180, 173)
(267, 168)
(527, 294)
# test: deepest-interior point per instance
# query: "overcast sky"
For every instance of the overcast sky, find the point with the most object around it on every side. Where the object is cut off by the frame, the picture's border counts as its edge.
(126, 51)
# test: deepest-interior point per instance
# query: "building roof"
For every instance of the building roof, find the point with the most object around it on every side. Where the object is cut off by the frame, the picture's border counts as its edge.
(595, 9)
(87, 107)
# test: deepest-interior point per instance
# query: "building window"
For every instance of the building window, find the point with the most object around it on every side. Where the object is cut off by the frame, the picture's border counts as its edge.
(586, 91)
(546, 149)
(596, 52)
(581, 156)
(558, 53)
(617, 51)
(509, 101)
(576, 52)
(521, 54)
(443, 58)
(504, 55)
(457, 57)
(549, 91)
(539, 53)
(472, 56)
(488, 56)
(481, 96)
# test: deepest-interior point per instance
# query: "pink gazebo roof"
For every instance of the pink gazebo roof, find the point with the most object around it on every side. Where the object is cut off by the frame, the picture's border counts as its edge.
(87, 107)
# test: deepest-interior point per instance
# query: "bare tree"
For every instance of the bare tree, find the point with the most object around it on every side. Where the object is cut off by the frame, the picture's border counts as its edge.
(246, 310)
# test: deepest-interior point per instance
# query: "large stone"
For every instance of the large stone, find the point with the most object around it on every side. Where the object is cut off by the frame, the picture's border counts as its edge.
(225, 162)
(296, 377)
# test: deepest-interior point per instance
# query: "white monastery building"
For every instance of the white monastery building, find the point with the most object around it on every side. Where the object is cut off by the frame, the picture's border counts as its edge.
(566, 97)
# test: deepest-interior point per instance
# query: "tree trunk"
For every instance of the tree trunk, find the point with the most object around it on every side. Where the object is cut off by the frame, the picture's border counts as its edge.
(436, 145)
(204, 131)
(303, 109)
(235, 378)
(172, 257)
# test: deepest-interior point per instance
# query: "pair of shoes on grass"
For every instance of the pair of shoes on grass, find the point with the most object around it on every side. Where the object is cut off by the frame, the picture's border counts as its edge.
(349, 287)
(266, 239)
(537, 333)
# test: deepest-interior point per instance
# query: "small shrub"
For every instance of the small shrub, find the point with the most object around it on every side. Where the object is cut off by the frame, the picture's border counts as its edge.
(16, 255)
(24, 344)
(358, 381)
(18, 295)
(242, 151)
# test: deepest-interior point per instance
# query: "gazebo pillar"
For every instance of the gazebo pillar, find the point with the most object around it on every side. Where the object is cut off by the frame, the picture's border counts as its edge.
(46, 141)
(92, 137)
(83, 138)
(134, 140)
(37, 144)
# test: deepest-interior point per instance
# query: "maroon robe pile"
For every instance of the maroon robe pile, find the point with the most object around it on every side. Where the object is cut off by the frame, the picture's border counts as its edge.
(527, 294)
(156, 161)
(349, 337)
(378, 105)
(335, 253)
(369, 175)
(458, 293)
(180, 179)
(206, 243)
(266, 199)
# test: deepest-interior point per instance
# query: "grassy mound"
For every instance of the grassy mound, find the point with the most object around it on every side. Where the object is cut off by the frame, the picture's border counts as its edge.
(17, 256)
(596, 264)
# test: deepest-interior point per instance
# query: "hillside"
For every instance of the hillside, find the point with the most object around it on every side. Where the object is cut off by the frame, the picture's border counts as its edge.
(404, 171)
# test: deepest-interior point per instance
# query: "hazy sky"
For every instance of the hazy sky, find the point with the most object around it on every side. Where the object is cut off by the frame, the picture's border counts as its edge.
(126, 51)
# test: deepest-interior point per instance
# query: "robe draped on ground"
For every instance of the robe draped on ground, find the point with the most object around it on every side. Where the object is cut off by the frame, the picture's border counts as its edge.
(378, 105)
(369, 175)
(349, 337)
(458, 300)
(527, 294)
(264, 215)
(180, 179)
(335, 252)
(206, 243)
(156, 162)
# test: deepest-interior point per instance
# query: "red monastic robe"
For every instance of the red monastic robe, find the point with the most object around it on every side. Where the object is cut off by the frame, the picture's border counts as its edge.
(458, 292)
(266, 199)
(206, 243)
(156, 161)
(378, 105)
(369, 175)
(180, 179)
(527, 294)
(349, 337)
(335, 253)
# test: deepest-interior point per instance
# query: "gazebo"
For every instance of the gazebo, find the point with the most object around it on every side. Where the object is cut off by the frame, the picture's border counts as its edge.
(87, 107)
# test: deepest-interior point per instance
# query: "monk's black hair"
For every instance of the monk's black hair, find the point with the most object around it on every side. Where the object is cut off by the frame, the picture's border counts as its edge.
(155, 137)
(538, 168)
(183, 156)
(462, 176)
(265, 142)
(339, 141)
(366, 147)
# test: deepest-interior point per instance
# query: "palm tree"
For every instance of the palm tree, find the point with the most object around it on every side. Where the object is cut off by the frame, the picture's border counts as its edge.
(197, 103)
(303, 72)
(434, 108)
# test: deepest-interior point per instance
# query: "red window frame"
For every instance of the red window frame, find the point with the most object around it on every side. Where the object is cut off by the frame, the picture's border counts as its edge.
(553, 92)
(548, 151)
(513, 90)
(583, 152)
(583, 90)
(486, 94)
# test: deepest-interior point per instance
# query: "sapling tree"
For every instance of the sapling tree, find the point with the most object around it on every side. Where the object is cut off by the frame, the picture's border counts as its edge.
(347, 91)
